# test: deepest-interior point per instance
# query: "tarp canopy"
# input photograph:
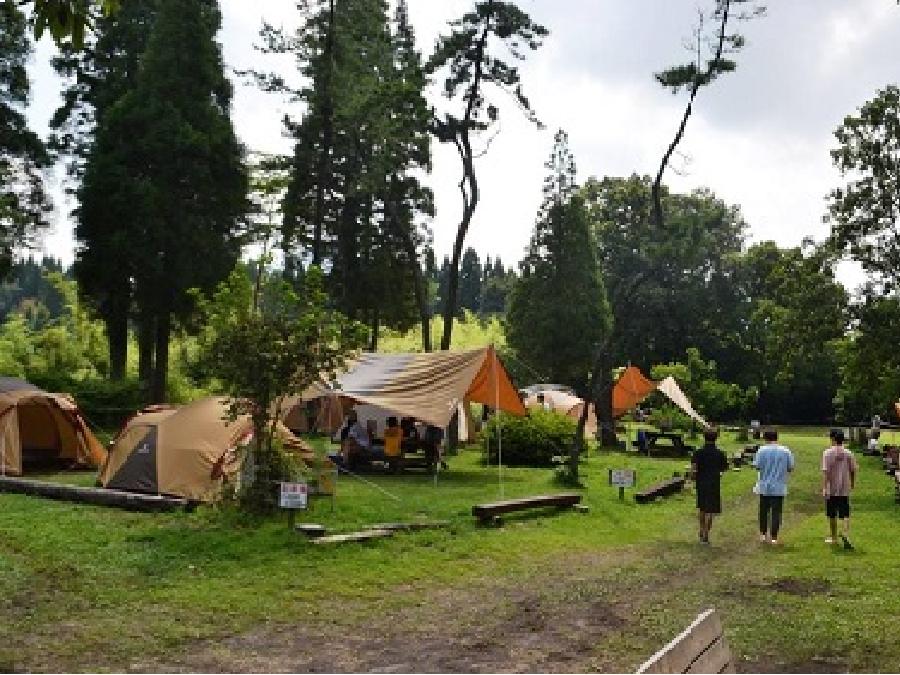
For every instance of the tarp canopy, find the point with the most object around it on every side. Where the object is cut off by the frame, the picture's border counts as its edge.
(633, 387)
(426, 386)
(670, 388)
(40, 429)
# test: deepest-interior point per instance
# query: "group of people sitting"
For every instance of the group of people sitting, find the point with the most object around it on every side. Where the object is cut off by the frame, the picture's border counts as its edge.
(360, 445)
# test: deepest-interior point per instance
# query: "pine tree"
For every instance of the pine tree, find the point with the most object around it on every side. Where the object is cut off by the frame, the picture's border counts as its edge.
(23, 202)
(558, 312)
(169, 150)
(98, 76)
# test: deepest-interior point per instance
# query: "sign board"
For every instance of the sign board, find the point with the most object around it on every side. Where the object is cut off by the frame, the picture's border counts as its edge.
(623, 478)
(293, 496)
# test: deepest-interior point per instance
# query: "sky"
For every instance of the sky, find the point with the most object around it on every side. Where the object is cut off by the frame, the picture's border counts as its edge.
(759, 137)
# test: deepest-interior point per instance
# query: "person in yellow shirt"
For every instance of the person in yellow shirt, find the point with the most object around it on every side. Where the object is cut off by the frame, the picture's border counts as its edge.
(393, 436)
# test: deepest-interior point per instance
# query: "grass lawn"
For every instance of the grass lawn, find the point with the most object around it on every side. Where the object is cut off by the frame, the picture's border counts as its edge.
(88, 588)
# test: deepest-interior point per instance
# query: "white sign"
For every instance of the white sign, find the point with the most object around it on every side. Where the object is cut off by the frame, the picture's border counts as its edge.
(623, 478)
(293, 495)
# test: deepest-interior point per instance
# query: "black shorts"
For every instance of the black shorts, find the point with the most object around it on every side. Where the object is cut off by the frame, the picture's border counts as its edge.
(837, 507)
(709, 499)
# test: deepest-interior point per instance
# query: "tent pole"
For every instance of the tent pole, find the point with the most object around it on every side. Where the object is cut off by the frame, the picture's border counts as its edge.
(499, 419)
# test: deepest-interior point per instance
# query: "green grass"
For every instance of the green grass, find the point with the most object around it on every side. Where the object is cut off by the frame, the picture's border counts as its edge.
(87, 588)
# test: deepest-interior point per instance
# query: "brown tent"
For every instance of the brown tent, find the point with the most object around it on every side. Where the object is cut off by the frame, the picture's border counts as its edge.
(187, 451)
(427, 386)
(39, 429)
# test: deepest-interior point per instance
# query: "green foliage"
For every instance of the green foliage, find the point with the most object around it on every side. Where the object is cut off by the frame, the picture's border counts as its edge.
(870, 363)
(669, 416)
(263, 348)
(68, 19)
(471, 332)
(717, 401)
(23, 202)
(29, 291)
(533, 440)
(864, 213)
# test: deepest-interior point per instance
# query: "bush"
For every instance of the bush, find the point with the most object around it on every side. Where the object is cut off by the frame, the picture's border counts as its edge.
(670, 417)
(533, 440)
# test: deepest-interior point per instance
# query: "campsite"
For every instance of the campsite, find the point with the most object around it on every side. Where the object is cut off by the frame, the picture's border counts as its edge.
(458, 336)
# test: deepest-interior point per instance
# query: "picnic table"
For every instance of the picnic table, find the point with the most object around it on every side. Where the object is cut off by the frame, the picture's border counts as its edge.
(675, 443)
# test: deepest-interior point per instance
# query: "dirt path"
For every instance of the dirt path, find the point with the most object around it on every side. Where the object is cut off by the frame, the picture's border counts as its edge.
(590, 612)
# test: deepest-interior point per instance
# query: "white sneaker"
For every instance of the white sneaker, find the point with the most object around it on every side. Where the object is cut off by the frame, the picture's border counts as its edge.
(774, 542)
(829, 540)
(763, 538)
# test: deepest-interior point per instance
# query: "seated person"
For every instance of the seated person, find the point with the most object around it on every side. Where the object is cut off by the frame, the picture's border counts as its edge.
(410, 434)
(355, 439)
(393, 435)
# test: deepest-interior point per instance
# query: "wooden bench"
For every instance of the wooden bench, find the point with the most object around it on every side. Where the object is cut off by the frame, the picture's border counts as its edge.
(701, 648)
(491, 512)
(661, 489)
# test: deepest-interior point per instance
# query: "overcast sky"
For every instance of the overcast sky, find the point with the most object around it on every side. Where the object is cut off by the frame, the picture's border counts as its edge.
(759, 137)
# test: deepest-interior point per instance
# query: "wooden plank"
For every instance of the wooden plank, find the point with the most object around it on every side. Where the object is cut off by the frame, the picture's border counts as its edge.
(411, 527)
(681, 652)
(365, 535)
(485, 511)
(715, 659)
(661, 489)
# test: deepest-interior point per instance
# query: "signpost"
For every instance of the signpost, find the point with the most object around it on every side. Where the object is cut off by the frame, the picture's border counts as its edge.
(622, 478)
(293, 496)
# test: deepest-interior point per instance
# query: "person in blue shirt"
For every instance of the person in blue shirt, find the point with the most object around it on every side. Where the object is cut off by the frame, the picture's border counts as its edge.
(774, 462)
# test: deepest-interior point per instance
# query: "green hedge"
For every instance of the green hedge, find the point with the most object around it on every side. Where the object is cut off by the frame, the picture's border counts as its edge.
(533, 440)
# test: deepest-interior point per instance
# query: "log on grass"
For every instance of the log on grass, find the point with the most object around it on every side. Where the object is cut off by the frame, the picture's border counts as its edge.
(133, 501)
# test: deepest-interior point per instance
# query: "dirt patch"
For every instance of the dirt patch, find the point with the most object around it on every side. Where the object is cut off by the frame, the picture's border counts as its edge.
(800, 587)
(553, 624)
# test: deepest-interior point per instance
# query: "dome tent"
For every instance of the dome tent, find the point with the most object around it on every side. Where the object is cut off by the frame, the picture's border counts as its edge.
(186, 451)
(42, 430)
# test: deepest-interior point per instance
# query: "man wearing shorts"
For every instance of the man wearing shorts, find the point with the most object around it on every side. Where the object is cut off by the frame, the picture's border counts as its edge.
(708, 462)
(839, 469)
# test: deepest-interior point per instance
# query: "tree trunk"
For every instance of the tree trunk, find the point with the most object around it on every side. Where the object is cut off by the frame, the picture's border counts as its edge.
(146, 335)
(469, 188)
(161, 369)
(117, 339)
(656, 189)
(324, 168)
(603, 400)
(376, 327)
(578, 442)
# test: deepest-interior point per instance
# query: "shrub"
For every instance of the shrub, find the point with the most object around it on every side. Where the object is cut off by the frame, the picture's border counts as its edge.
(533, 440)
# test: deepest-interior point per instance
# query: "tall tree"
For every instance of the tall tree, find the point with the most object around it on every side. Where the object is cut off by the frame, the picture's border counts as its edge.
(561, 338)
(470, 280)
(98, 76)
(170, 145)
(355, 202)
(865, 214)
(469, 55)
(23, 202)
(710, 52)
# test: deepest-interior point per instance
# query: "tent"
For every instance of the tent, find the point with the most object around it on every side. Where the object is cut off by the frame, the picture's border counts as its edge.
(565, 404)
(186, 451)
(633, 387)
(39, 429)
(431, 387)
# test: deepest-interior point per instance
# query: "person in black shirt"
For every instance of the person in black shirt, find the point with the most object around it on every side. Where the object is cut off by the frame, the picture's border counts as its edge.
(708, 462)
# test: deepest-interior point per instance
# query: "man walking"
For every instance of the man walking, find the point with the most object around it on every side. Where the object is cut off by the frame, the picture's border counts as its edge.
(774, 462)
(839, 469)
(709, 462)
